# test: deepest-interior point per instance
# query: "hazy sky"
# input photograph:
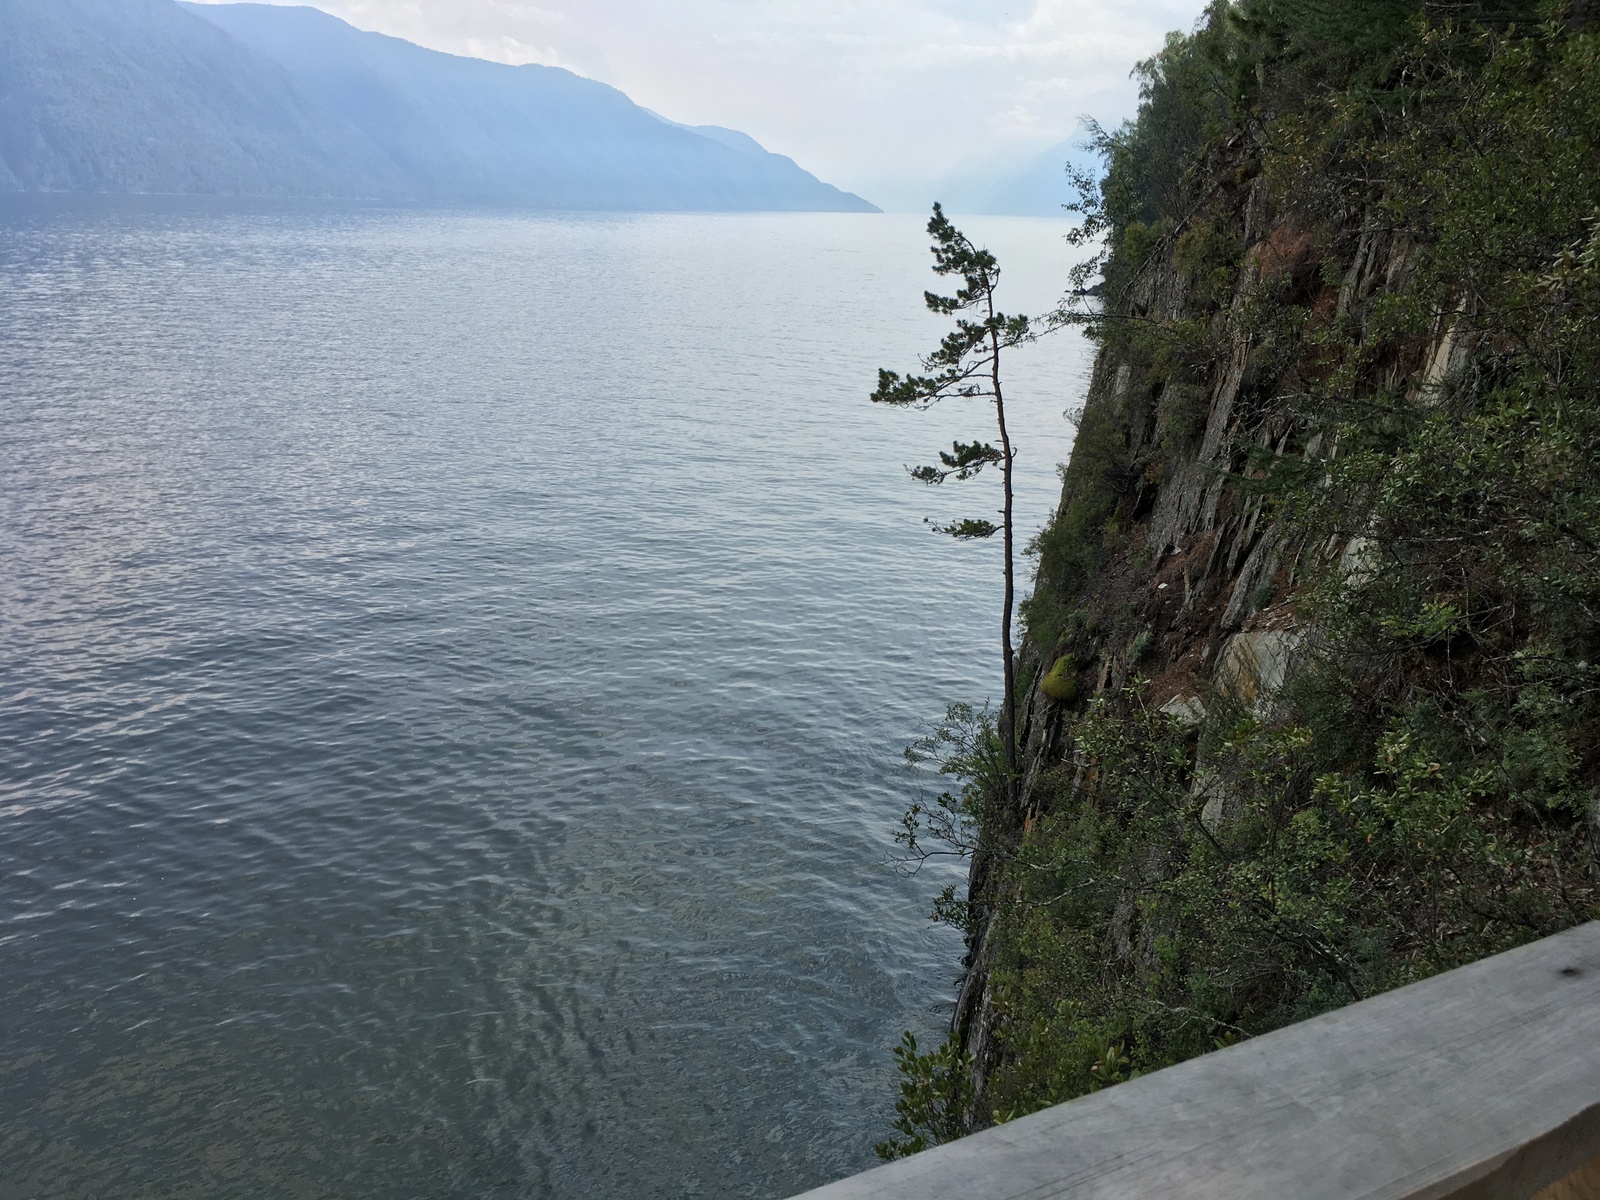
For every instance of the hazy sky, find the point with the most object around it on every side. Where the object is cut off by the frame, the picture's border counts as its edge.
(873, 95)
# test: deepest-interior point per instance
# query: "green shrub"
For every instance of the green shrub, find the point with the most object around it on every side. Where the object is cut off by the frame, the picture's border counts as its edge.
(1139, 648)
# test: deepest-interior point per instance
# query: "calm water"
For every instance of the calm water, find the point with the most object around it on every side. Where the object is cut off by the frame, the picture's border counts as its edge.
(453, 670)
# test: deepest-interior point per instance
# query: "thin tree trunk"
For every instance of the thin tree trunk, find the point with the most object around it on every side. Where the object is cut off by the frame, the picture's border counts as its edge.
(1008, 709)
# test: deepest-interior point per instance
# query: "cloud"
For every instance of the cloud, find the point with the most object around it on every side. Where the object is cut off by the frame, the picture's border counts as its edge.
(876, 95)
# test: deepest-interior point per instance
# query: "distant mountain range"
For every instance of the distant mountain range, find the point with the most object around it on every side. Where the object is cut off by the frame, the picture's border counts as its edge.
(154, 96)
(1033, 186)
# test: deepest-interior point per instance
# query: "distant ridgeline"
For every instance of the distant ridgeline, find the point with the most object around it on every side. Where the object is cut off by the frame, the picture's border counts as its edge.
(1309, 704)
(153, 96)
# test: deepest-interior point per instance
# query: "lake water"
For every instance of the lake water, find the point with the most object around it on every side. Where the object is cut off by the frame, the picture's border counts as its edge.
(453, 674)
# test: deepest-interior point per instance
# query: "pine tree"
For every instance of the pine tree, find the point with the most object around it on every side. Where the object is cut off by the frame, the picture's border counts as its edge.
(967, 366)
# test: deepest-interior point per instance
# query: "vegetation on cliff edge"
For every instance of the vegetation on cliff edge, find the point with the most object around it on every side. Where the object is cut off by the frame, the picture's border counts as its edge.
(1351, 301)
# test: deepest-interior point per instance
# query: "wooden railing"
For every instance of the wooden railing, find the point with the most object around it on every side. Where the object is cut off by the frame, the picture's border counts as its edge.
(1479, 1084)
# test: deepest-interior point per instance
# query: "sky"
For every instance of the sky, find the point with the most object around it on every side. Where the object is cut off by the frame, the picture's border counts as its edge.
(881, 97)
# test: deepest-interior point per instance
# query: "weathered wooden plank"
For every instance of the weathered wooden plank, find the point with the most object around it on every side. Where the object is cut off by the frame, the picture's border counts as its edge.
(1480, 1084)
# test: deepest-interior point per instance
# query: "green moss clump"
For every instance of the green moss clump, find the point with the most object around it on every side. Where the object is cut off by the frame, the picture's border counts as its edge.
(1061, 684)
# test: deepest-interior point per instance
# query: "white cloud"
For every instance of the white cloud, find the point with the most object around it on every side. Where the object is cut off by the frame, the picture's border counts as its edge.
(876, 95)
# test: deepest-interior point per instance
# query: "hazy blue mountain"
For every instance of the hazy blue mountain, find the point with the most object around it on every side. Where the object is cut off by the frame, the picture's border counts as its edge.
(741, 142)
(154, 96)
(466, 129)
(141, 96)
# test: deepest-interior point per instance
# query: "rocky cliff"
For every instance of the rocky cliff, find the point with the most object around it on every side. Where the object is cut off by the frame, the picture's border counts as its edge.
(1310, 684)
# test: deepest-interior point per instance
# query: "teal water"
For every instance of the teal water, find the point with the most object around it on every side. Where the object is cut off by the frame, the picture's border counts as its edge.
(453, 672)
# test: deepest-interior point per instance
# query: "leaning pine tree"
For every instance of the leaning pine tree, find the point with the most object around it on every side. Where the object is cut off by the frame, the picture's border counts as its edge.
(967, 365)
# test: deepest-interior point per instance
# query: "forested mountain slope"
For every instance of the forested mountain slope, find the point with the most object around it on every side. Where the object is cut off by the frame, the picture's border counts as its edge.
(142, 96)
(1312, 677)
(153, 96)
(468, 130)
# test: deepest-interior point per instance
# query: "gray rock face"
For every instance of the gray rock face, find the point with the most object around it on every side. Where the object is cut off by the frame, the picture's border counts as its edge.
(1254, 666)
(1204, 567)
(1188, 711)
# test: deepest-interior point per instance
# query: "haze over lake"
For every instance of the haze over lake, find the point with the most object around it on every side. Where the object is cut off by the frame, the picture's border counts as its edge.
(453, 674)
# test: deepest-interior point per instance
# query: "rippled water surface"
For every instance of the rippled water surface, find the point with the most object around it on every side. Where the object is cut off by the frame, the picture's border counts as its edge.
(453, 669)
